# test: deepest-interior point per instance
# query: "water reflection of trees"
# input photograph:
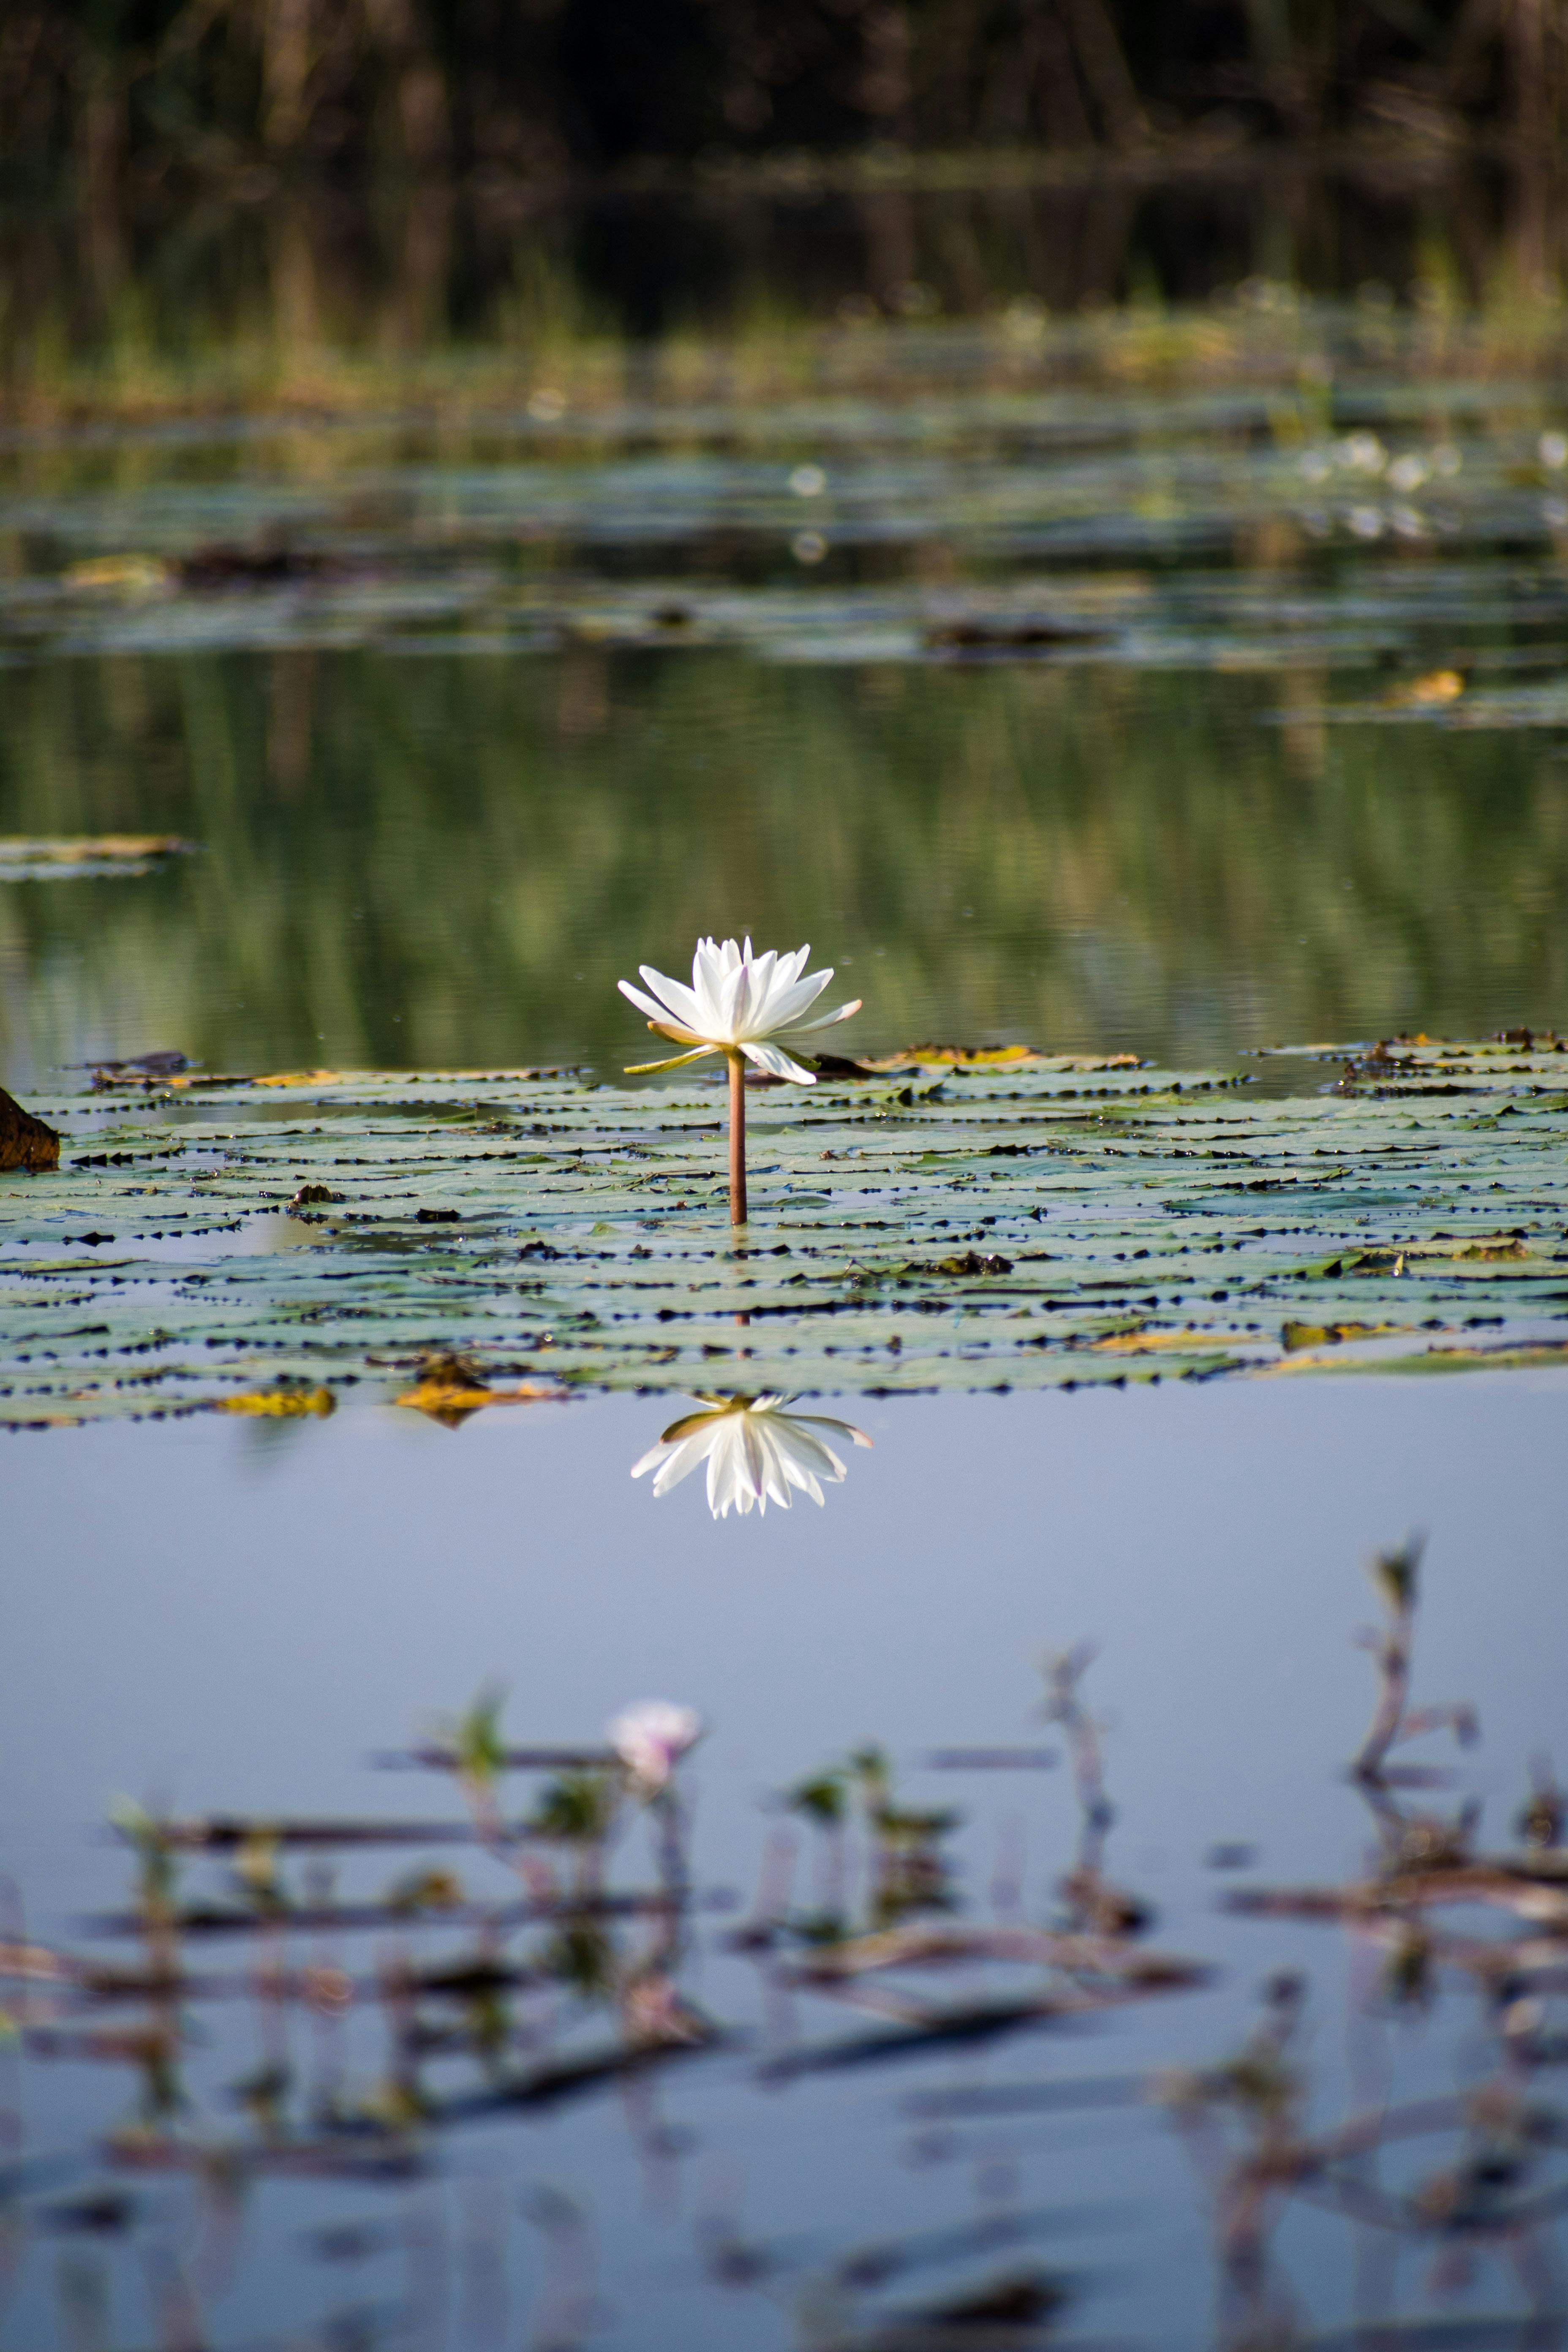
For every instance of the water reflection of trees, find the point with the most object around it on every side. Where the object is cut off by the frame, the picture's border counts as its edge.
(526, 1955)
(421, 861)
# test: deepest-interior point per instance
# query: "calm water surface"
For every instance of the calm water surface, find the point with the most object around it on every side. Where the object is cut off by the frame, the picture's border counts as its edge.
(1177, 723)
(1135, 749)
(271, 1608)
(452, 861)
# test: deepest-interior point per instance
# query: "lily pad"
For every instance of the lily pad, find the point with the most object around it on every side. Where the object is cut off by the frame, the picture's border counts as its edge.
(85, 856)
(1035, 1232)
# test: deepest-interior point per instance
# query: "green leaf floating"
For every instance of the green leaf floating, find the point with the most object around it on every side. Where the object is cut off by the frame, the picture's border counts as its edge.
(1028, 1222)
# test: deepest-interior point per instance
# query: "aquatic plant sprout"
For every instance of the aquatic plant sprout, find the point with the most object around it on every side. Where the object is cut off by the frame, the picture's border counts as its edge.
(755, 1449)
(737, 1005)
(650, 1738)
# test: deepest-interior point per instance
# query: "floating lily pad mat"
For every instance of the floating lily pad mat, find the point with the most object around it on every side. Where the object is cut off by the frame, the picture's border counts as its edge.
(959, 1222)
(85, 856)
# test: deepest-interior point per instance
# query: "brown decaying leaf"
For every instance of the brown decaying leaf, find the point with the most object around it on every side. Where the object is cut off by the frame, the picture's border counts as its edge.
(25, 1141)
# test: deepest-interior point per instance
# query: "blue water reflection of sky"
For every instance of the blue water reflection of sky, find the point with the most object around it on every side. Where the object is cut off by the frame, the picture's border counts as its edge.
(216, 1616)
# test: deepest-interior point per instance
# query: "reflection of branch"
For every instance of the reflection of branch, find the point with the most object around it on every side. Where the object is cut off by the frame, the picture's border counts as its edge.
(1094, 1903)
(1412, 1841)
(1063, 1671)
(566, 2308)
(775, 1884)
(1482, 2198)
(1397, 1573)
(1486, 2196)
(1080, 1957)
(1539, 1821)
(513, 2000)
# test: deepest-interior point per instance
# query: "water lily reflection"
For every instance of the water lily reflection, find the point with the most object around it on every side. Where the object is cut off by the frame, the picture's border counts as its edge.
(651, 1739)
(755, 1449)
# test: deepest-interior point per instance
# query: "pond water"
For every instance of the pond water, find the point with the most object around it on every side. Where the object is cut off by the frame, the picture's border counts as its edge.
(1170, 719)
(273, 1606)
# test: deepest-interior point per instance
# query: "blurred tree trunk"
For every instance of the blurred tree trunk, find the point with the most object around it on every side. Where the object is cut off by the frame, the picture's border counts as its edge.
(1286, 72)
(948, 65)
(1048, 59)
(1529, 226)
(1108, 218)
(292, 266)
(1063, 74)
(1525, 39)
(1270, 23)
(417, 310)
(1533, 38)
(424, 110)
(1104, 69)
(888, 223)
(287, 56)
(886, 77)
(101, 153)
(1035, 84)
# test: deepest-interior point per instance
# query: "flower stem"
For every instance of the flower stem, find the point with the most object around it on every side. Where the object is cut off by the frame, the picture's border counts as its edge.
(737, 1139)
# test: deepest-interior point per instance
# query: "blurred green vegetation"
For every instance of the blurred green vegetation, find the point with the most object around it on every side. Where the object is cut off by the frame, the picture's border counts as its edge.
(449, 861)
(448, 306)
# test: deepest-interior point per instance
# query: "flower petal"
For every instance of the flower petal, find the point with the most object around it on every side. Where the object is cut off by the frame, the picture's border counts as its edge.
(794, 998)
(651, 1459)
(726, 1468)
(761, 989)
(683, 1459)
(803, 1028)
(839, 1428)
(677, 997)
(648, 1004)
(805, 1480)
(800, 1448)
(676, 1062)
(687, 1425)
(763, 1468)
(707, 971)
(734, 1002)
(776, 1063)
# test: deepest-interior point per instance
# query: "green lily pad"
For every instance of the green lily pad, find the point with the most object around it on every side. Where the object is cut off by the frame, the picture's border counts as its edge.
(540, 1225)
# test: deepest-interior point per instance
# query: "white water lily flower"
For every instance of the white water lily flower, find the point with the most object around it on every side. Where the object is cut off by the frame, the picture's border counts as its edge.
(651, 1739)
(737, 1003)
(755, 1449)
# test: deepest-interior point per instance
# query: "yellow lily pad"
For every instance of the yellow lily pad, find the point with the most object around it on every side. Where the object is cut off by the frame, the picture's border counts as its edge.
(280, 1404)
